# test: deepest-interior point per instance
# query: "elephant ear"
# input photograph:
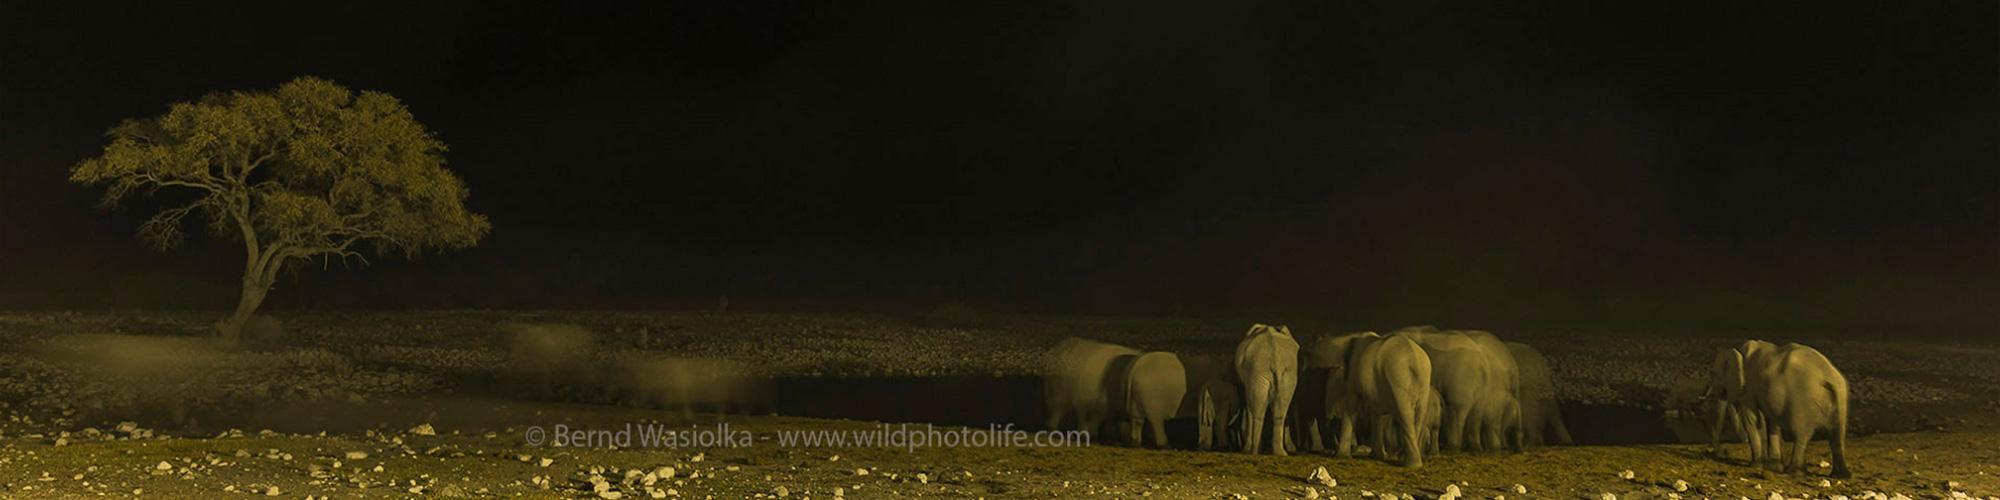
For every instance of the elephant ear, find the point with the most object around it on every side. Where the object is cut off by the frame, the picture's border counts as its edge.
(1285, 330)
(1256, 328)
(1736, 365)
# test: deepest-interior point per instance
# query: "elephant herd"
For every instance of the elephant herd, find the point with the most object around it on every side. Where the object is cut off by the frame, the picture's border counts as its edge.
(1775, 392)
(1414, 391)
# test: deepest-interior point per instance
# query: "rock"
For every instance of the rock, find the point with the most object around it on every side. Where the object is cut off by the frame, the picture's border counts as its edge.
(781, 492)
(860, 471)
(164, 466)
(664, 472)
(355, 455)
(546, 461)
(610, 495)
(1607, 496)
(423, 429)
(1775, 496)
(923, 478)
(1680, 486)
(1519, 489)
(835, 458)
(839, 492)
(1825, 483)
(1321, 477)
(1310, 492)
(1626, 474)
(273, 492)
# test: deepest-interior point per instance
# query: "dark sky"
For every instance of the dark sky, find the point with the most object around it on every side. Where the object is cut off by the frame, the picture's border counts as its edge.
(1827, 162)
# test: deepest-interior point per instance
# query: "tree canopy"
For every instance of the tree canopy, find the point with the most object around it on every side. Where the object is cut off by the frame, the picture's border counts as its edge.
(311, 170)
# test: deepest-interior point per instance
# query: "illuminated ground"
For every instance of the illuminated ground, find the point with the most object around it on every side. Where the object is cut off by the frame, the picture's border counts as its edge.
(1927, 408)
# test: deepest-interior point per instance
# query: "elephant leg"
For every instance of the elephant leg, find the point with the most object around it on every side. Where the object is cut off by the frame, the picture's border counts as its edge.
(1409, 413)
(1379, 448)
(1056, 414)
(1205, 433)
(1753, 433)
(1091, 420)
(1743, 428)
(1257, 396)
(1516, 430)
(1159, 426)
(1555, 417)
(1280, 405)
(1801, 437)
(1346, 446)
(1454, 427)
(1135, 426)
(1313, 442)
(1494, 441)
(1475, 431)
(1775, 449)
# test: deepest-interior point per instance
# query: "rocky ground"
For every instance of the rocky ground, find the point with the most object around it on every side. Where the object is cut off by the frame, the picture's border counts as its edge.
(363, 405)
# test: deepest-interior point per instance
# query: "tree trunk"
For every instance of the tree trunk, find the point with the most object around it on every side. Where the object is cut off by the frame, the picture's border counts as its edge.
(231, 327)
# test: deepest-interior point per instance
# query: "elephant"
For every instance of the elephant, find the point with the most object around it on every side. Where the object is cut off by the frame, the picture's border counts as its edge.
(1075, 378)
(1724, 397)
(1795, 391)
(1479, 384)
(1219, 404)
(683, 383)
(548, 357)
(1385, 379)
(1155, 384)
(1541, 413)
(1267, 361)
(1433, 411)
(1309, 405)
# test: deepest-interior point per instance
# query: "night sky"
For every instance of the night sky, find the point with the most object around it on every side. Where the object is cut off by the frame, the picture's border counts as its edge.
(1822, 164)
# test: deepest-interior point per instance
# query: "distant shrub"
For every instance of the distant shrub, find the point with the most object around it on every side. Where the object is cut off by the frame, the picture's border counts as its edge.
(952, 315)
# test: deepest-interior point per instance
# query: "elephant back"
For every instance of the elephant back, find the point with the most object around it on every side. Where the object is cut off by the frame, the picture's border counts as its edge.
(1537, 381)
(1077, 368)
(1267, 348)
(1159, 381)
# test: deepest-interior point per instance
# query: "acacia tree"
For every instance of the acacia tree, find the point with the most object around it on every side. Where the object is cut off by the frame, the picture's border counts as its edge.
(309, 171)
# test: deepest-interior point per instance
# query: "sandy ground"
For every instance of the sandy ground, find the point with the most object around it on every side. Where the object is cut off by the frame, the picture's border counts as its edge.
(1928, 407)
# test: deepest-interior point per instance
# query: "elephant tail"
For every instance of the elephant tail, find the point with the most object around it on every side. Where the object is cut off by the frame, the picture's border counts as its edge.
(1839, 438)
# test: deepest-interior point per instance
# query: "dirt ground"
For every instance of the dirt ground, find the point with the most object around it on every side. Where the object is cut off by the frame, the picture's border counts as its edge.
(1930, 422)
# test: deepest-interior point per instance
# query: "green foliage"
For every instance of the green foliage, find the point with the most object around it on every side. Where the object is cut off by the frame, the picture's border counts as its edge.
(311, 169)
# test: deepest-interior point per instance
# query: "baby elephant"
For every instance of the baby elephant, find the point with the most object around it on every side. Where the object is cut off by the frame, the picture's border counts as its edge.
(1154, 387)
(1217, 408)
(1267, 361)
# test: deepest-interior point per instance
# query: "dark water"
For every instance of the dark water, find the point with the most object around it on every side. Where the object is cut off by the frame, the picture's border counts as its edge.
(1616, 424)
(972, 401)
(969, 401)
(978, 401)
